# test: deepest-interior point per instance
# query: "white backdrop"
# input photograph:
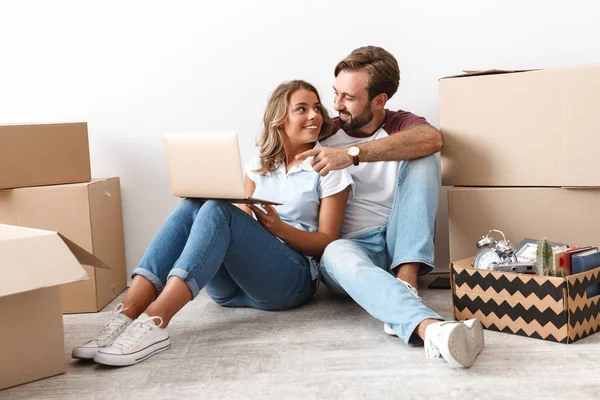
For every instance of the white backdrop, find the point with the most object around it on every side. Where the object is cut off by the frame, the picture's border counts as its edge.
(137, 69)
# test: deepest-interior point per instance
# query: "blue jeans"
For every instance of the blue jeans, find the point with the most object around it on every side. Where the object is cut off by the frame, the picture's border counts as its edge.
(216, 245)
(361, 267)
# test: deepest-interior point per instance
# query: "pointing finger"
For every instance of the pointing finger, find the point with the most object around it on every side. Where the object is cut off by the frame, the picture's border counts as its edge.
(309, 153)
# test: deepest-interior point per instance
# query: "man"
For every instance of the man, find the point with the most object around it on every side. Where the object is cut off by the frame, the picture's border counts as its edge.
(387, 236)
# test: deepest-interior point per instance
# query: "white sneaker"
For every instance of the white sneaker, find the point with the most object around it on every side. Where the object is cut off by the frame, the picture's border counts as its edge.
(112, 328)
(387, 328)
(459, 343)
(141, 340)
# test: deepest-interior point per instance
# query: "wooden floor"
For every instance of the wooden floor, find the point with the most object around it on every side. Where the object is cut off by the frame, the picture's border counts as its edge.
(328, 349)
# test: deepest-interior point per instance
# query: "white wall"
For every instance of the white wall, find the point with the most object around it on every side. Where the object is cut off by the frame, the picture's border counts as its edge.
(137, 69)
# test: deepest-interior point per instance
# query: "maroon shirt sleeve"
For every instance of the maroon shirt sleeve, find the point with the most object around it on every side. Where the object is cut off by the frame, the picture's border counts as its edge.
(335, 125)
(396, 121)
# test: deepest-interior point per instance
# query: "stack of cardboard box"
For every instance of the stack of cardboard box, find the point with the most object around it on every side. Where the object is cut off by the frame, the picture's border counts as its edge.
(57, 226)
(521, 152)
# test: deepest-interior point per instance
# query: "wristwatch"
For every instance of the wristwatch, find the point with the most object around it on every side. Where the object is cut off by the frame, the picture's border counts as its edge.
(353, 152)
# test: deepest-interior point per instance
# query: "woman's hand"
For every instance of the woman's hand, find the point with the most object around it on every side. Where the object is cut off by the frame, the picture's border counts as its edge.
(269, 220)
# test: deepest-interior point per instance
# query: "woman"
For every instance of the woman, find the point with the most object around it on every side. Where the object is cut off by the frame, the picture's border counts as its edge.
(265, 263)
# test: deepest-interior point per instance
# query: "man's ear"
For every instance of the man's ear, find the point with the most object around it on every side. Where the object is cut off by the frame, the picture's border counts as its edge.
(379, 101)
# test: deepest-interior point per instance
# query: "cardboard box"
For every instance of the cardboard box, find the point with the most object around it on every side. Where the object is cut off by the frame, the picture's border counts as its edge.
(534, 128)
(44, 154)
(570, 216)
(90, 215)
(33, 263)
(555, 309)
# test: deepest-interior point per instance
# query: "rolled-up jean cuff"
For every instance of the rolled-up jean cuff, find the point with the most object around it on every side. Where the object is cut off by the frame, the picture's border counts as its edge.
(150, 276)
(187, 278)
(425, 266)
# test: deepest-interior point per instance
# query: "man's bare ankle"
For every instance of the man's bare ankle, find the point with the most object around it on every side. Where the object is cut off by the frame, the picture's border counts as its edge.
(408, 273)
(423, 326)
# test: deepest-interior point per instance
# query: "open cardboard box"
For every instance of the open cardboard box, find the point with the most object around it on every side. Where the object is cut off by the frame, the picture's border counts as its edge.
(33, 264)
(89, 214)
(549, 308)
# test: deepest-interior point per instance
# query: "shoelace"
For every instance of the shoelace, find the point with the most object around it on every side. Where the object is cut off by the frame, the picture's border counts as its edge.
(411, 289)
(431, 350)
(414, 292)
(113, 325)
(137, 330)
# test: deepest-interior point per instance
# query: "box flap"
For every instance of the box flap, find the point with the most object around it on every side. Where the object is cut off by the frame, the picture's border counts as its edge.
(83, 256)
(487, 72)
(32, 258)
(466, 263)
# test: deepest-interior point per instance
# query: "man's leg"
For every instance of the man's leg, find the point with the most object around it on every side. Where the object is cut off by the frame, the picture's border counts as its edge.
(411, 227)
(410, 239)
(358, 267)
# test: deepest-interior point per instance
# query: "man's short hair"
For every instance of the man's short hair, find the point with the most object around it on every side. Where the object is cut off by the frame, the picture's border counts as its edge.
(380, 65)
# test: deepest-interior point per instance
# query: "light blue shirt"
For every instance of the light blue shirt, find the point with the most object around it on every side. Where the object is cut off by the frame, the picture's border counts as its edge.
(300, 192)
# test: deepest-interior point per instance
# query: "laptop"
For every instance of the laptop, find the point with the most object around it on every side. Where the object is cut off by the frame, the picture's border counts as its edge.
(207, 166)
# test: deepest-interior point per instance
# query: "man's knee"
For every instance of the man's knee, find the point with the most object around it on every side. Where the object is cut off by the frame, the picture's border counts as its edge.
(341, 260)
(422, 167)
(334, 253)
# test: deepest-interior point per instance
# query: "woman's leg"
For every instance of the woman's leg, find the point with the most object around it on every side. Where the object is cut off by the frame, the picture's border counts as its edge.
(224, 291)
(272, 275)
(139, 296)
(150, 277)
(175, 295)
(261, 269)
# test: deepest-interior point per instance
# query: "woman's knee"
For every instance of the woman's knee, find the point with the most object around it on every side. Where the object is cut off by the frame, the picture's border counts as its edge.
(190, 205)
(216, 206)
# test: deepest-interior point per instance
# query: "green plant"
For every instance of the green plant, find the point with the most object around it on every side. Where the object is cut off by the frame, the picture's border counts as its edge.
(560, 272)
(544, 261)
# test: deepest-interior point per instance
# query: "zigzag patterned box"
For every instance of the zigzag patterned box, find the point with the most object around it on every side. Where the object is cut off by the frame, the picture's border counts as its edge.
(555, 309)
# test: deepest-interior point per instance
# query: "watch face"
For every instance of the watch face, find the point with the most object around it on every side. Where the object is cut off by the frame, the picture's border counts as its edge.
(353, 151)
(485, 258)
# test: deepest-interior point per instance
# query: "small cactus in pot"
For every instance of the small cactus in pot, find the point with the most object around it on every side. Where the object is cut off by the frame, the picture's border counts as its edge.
(560, 272)
(544, 258)
(545, 261)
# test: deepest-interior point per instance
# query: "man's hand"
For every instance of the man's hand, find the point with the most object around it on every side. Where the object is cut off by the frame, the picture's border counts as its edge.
(327, 159)
(269, 220)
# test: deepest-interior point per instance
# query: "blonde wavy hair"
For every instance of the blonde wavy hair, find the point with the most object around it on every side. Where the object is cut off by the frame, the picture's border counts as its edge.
(272, 153)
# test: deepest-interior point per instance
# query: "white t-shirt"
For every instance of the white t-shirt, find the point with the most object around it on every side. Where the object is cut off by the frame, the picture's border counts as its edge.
(375, 182)
(299, 191)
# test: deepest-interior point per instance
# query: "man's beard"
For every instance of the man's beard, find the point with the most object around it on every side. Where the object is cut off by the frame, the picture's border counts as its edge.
(357, 122)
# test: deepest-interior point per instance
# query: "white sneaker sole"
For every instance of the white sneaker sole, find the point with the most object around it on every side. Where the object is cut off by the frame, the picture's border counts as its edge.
(123, 360)
(387, 328)
(85, 353)
(465, 343)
